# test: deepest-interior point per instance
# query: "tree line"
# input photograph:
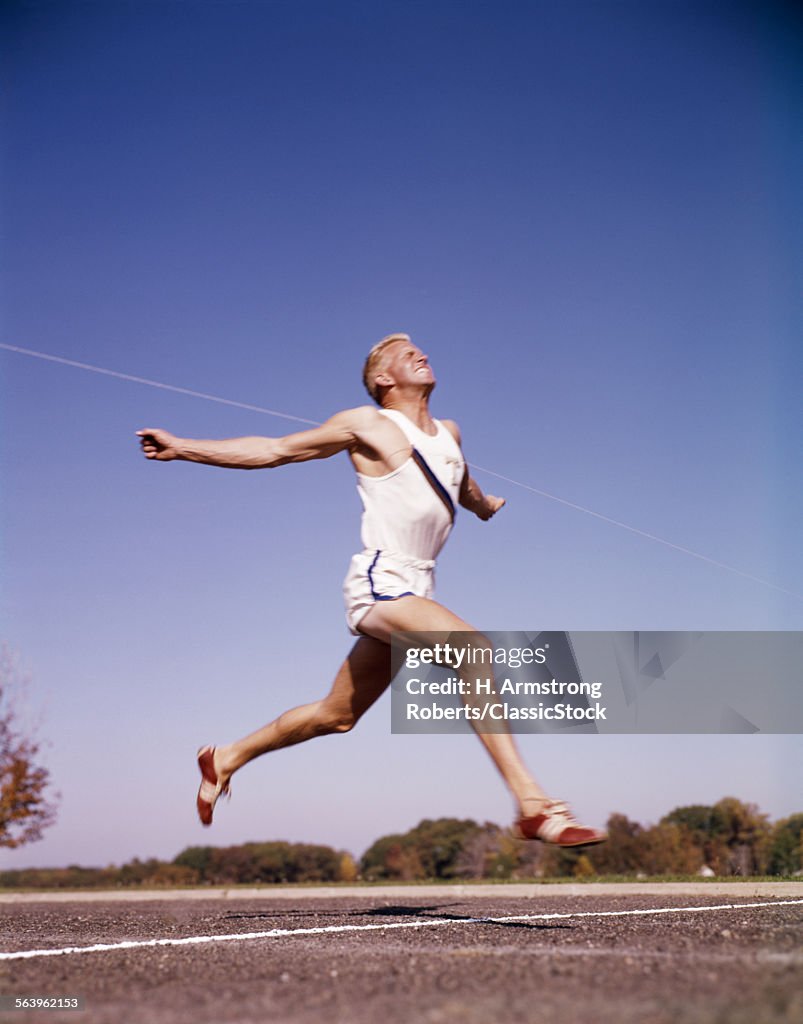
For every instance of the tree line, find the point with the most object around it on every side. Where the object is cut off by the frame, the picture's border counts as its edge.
(729, 838)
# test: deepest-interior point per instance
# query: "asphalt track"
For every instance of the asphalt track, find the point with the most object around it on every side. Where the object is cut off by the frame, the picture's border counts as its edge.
(436, 955)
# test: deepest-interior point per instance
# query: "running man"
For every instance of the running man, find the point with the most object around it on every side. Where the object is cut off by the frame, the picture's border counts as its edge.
(411, 474)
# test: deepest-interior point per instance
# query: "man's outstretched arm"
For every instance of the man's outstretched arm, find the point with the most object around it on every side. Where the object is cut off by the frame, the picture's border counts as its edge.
(336, 435)
(471, 496)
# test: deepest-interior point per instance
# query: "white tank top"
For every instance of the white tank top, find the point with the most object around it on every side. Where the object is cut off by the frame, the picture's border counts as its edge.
(411, 510)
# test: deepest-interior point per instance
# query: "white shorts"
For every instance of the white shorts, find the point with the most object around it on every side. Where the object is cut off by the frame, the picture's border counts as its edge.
(383, 576)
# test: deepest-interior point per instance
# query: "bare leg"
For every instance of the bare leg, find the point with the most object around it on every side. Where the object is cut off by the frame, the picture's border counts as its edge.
(362, 679)
(419, 614)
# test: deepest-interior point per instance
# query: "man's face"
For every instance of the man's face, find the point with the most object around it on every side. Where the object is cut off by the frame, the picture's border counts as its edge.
(407, 364)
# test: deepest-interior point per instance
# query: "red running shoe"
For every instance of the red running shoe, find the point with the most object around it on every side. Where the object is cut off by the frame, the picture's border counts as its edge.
(555, 824)
(211, 787)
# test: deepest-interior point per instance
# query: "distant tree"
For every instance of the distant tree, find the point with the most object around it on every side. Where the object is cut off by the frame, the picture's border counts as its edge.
(747, 836)
(347, 870)
(439, 843)
(707, 829)
(197, 858)
(403, 862)
(270, 862)
(379, 860)
(583, 868)
(137, 871)
(786, 846)
(484, 855)
(621, 854)
(665, 849)
(433, 849)
(315, 863)
(154, 872)
(25, 809)
(731, 836)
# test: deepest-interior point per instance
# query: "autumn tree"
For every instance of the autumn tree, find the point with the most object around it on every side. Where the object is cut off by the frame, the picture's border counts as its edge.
(747, 836)
(707, 829)
(25, 809)
(664, 849)
(621, 854)
(732, 836)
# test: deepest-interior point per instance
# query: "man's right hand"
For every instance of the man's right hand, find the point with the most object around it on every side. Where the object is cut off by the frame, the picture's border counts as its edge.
(159, 444)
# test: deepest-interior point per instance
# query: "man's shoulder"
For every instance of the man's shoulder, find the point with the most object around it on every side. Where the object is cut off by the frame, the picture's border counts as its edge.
(363, 415)
(360, 420)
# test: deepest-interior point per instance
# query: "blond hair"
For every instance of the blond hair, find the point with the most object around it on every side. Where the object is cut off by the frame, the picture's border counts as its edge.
(374, 360)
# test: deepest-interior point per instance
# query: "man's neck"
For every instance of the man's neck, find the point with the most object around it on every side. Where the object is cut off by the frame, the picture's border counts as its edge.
(414, 407)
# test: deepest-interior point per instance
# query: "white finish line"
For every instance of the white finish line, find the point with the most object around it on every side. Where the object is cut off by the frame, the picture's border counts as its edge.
(276, 933)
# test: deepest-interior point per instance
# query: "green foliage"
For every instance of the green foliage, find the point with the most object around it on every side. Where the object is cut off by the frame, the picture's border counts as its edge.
(155, 873)
(702, 823)
(438, 844)
(195, 857)
(430, 850)
(785, 853)
(262, 863)
(621, 855)
(731, 837)
(251, 863)
(73, 877)
(375, 862)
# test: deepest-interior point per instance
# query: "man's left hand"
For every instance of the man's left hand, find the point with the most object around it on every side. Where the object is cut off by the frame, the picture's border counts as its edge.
(492, 505)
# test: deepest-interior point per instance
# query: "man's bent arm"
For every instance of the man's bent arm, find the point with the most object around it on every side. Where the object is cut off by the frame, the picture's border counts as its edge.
(336, 435)
(471, 496)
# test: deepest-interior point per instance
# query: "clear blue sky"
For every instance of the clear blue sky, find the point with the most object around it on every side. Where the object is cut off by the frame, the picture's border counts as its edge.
(586, 213)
